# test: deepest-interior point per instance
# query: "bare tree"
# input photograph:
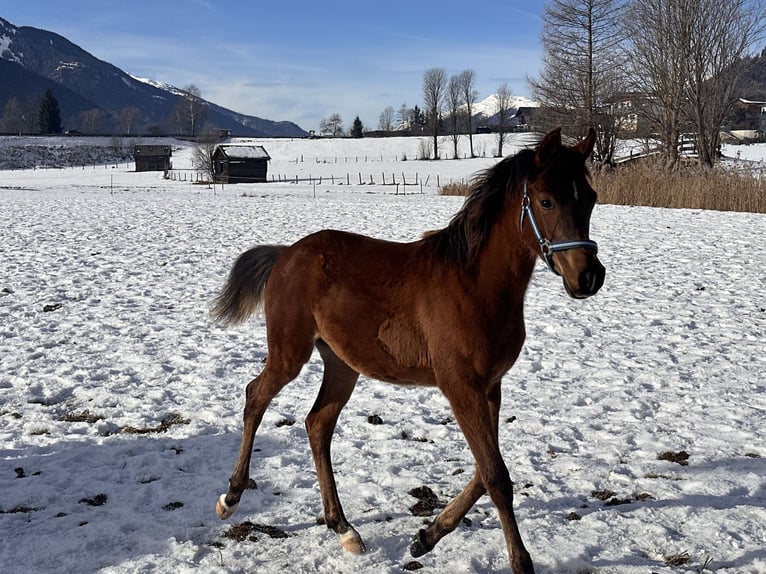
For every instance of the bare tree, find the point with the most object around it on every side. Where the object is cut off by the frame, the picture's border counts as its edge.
(404, 117)
(660, 35)
(434, 87)
(204, 150)
(91, 121)
(126, 119)
(12, 120)
(190, 111)
(332, 126)
(467, 79)
(386, 121)
(582, 68)
(725, 31)
(503, 99)
(454, 97)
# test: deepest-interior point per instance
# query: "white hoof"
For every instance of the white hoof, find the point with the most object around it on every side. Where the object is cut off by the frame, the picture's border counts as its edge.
(352, 542)
(222, 509)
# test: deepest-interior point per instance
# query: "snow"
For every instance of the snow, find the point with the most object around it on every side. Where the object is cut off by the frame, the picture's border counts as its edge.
(244, 151)
(488, 106)
(106, 276)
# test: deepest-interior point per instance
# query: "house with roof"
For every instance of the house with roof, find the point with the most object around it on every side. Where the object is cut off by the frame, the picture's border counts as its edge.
(240, 163)
(152, 157)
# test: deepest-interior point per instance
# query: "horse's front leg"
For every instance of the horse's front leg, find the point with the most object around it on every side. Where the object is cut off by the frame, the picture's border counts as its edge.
(470, 405)
(449, 518)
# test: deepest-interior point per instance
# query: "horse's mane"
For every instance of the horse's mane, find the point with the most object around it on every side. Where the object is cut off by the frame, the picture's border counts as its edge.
(469, 229)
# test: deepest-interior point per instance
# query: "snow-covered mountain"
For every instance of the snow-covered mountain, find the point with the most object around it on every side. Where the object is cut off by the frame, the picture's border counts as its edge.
(33, 60)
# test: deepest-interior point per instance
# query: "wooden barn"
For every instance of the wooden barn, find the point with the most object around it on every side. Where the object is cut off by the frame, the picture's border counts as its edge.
(240, 163)
(152, 157)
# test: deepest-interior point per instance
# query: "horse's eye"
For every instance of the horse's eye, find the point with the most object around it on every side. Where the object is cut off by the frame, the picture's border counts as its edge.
(546, 204)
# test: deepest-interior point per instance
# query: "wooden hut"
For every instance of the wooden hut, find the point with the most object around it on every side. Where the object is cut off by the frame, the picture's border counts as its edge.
(240, 163)
(152, 157)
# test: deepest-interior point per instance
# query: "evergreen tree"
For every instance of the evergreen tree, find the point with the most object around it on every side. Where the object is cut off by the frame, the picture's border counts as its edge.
(49, 119)
(357, 129)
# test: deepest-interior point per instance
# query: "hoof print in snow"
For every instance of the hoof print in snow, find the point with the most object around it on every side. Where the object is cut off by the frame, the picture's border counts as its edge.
(412, 566)
(285, 422)
(375, 420)
(610, 499)
(164, 425)
(427, 501)
(677, 559)
(173, 506)
(20, 509)
(83, 417)
(19, 472)
(681, 457)
(98, 500)
(573, 516)
(604, 494)
(247, 531)
(52, 307)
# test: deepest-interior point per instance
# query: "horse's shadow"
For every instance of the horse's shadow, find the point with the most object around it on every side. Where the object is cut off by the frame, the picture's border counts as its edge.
(102, 505)
(719, 558)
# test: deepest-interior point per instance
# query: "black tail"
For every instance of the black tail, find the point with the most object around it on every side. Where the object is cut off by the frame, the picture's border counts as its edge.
(244, 288)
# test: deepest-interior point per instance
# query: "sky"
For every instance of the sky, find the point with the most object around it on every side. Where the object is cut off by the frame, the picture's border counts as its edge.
(302, 61)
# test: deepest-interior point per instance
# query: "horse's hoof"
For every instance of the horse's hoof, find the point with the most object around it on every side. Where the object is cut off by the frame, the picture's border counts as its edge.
(352, 542)
(419, 546)
(222, 509)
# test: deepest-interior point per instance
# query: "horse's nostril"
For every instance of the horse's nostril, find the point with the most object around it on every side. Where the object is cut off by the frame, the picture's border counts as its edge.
(591, 280)
(587, 281)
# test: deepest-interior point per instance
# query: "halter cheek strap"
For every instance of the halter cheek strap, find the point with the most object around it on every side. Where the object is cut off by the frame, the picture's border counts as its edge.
(549, 247)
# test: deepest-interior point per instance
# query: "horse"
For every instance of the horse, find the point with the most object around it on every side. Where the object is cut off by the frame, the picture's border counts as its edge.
(446, 310)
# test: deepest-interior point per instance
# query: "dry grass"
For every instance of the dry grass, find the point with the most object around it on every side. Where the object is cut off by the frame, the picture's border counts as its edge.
(455, 188)
(691, 187)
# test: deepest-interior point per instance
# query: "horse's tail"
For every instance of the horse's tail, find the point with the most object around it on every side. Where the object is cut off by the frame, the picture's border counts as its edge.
(243, 292)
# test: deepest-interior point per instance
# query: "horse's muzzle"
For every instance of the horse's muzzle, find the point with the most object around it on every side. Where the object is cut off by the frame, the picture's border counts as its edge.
(589, 281)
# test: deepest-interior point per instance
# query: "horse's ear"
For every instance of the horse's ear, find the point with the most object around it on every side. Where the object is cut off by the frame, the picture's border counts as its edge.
(585, 147)
(548, 147)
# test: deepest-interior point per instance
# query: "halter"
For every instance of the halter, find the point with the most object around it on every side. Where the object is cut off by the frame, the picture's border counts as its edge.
(547, 247)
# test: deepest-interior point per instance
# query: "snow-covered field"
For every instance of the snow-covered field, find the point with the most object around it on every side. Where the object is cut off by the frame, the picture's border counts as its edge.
(120, 410)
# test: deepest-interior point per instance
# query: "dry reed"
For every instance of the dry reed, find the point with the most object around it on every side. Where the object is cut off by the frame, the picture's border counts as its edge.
(690, 187)
(650, 184)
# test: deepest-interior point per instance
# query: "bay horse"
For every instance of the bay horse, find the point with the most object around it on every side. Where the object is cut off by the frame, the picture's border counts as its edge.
(445, 311)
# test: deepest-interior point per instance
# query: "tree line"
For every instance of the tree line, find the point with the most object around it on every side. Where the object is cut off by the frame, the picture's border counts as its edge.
(662, 69)
(448, 109)
(43, 116)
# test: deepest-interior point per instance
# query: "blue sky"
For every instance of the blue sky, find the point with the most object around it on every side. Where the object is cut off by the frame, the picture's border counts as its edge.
(301, 61)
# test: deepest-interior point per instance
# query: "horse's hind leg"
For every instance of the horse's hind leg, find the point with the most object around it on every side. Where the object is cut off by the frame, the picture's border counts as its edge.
(338, 383)
(449, 518)
(280, 369)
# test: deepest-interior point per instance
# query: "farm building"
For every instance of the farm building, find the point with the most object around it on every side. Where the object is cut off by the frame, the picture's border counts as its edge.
(240, 163)
(152, 157)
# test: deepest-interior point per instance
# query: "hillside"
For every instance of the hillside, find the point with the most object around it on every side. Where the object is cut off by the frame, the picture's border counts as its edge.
(34, 60)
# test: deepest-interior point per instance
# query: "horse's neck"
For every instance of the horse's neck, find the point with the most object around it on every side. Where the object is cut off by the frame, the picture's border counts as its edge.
(505, 265)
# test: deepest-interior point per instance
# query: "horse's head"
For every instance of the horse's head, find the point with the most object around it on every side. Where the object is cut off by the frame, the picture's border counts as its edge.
(555, 213)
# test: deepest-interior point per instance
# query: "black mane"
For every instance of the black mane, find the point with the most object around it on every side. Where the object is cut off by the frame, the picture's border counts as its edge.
(469, 229)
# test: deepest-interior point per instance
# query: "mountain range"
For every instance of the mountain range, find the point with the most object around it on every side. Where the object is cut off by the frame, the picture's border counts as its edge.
(33, 61)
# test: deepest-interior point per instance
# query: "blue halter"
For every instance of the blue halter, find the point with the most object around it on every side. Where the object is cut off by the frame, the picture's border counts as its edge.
(547, 247)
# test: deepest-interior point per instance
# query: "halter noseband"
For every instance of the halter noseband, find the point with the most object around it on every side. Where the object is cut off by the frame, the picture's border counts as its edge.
(547, 247)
